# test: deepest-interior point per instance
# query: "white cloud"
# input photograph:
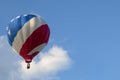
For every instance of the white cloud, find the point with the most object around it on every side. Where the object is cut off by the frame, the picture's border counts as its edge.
(51, 62)
(44, 67)
(7, 60)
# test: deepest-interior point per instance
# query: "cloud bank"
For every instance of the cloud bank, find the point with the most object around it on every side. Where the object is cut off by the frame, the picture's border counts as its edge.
(45, 67)
(49, 63)
(7, 60)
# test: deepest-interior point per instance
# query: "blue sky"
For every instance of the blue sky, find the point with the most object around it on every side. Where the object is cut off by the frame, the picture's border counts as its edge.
(88, 29)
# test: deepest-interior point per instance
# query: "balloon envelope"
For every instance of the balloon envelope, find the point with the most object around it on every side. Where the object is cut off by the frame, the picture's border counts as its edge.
(28, 34)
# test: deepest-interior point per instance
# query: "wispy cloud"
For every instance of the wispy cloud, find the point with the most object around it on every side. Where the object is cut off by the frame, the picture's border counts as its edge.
(1, 41)
(2, 30)
(7, 60)
(46, 67)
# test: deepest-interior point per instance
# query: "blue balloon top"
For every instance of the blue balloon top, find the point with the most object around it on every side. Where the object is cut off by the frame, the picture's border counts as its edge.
(16, 24)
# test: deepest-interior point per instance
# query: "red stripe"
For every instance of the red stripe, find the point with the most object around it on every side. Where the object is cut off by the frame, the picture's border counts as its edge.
(38, 37)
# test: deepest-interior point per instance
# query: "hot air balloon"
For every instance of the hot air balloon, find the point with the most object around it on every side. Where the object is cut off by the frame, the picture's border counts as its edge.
(28, 34)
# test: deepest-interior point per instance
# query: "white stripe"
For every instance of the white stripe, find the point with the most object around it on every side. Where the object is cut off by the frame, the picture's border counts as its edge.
(17, 17)
(39, 48)
(12, 20)
(26, 31)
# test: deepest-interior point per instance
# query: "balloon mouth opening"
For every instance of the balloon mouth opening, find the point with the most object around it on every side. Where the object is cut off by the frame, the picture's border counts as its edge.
(28, 60)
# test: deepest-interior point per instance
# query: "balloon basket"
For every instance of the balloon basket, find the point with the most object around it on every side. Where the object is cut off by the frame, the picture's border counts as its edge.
(28, 65)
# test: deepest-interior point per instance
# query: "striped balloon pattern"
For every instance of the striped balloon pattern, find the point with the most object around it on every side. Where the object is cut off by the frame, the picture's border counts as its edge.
(28, 34)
